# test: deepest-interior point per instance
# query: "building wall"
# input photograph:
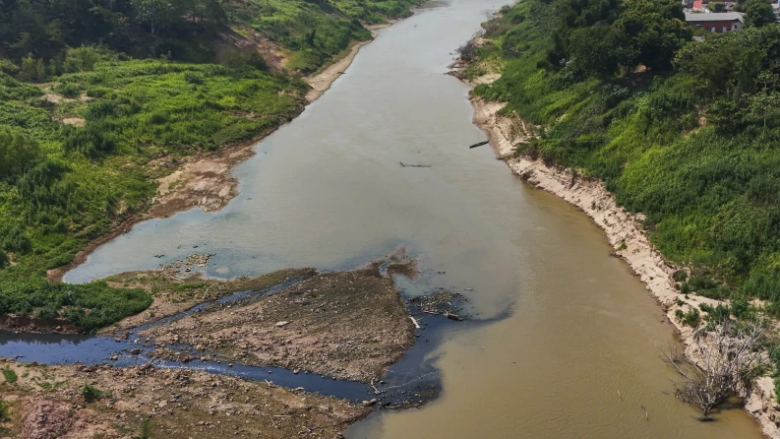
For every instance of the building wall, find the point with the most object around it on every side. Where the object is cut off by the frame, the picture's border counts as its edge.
(718, 26)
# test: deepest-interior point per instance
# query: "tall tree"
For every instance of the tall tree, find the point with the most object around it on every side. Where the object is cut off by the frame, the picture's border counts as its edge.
(655, 30)
(758, 14)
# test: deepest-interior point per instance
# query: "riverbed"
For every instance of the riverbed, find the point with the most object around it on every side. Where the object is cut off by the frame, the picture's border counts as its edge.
(577, 350)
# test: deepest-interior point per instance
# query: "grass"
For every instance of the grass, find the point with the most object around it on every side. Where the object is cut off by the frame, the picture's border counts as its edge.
(91, 393)
(315, 32)
(64, 186)
(710, 195)
(10, 376)
(693, 147)
(87, 179)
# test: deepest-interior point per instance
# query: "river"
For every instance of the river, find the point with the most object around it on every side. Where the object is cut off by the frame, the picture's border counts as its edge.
(577, 354)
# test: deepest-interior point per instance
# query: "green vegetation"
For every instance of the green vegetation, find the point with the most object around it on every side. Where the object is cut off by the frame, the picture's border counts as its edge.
(685, 132)
(91, 393)
(690, 318)
(145, 432)
(10, 376)
(92, 91)
(5, 412)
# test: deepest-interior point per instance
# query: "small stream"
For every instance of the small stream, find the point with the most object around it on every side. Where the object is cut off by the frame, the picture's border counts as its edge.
(413, 380)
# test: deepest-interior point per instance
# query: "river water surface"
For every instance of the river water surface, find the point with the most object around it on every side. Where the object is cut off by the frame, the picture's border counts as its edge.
(578, 355)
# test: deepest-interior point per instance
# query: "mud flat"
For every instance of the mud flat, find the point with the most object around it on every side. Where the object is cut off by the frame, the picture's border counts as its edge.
(623, 230)
(173, 294)
(48, 402)
(346, 325)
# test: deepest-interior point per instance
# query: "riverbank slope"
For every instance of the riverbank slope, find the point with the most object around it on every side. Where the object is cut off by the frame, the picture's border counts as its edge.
(532, 151)
(104, 139)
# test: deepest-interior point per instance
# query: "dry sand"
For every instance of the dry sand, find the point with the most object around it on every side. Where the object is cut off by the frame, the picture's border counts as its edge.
(321, 82)
(624, 231)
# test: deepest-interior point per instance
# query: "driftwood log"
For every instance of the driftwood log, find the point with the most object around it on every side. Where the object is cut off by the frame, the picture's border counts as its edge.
(479, 144)
(408, 165)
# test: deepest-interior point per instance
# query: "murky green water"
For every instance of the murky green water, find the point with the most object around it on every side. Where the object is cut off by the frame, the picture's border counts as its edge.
(579, 355)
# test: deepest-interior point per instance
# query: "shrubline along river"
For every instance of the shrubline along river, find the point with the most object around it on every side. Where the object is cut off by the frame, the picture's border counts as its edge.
(577, 354)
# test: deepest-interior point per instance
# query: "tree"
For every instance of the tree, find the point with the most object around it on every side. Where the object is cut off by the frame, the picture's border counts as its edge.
(758, 14)
(17, 154)
(728, 355)
(40, 70)
(161, 13)
(717, 6)
(597, 51)
(654, 30)
(29, 69)
(728, 63)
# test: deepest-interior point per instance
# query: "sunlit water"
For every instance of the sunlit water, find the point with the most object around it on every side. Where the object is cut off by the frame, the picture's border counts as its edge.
(579, 356)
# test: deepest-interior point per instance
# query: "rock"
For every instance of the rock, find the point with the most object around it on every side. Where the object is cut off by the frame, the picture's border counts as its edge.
(113, 358)
(282, 324)
(453, 316)
(135, 351)
(162, 404)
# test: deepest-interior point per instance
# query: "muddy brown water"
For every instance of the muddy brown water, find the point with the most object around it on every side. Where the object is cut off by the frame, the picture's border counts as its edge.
(579, 354)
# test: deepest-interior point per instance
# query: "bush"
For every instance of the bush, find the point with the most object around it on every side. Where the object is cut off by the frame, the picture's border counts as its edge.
(145, 430)
(91, 393)
(68, 90)
(98, 92)
(193, 78)
(10, 376)
(5, 412)
(680, 276)
(690, 318)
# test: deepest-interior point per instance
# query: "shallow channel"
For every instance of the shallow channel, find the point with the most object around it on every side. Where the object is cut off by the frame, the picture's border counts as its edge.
(578, 355)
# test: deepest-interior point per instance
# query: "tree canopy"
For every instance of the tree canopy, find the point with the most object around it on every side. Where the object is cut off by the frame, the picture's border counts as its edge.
(758, 14)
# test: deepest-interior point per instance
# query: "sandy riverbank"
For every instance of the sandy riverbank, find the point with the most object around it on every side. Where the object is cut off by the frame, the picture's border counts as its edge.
(623, 230)
(205, 180)
(321, 82)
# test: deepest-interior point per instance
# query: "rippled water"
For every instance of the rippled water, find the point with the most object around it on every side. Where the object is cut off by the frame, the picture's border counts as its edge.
(579, 355)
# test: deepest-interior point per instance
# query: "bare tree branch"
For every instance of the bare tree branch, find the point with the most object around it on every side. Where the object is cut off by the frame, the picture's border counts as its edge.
(728, 356)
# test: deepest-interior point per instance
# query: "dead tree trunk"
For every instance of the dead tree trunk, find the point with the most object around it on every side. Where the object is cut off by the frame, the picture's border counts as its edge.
(728, 355)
